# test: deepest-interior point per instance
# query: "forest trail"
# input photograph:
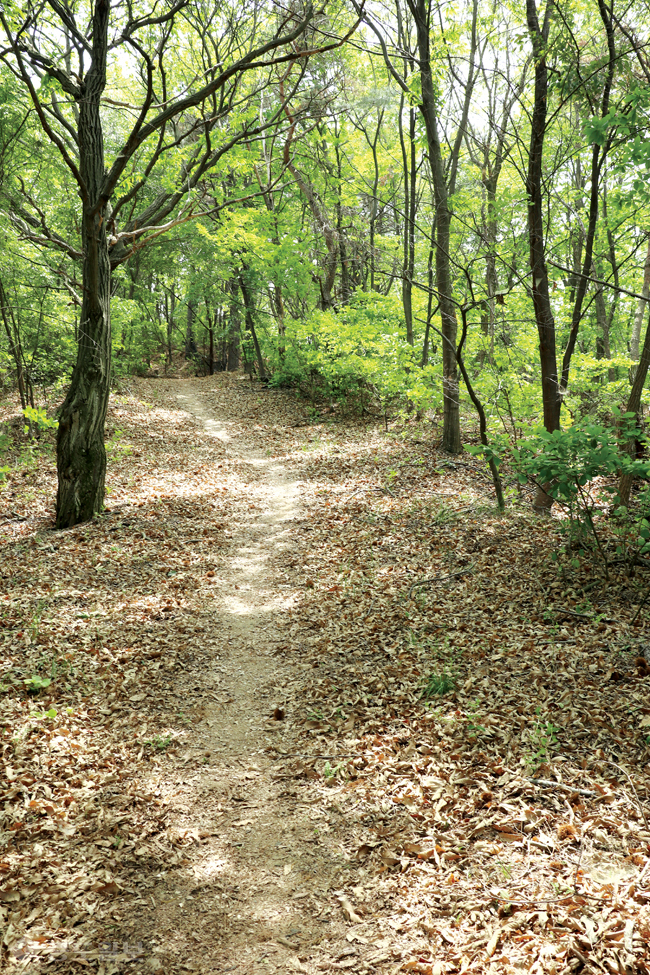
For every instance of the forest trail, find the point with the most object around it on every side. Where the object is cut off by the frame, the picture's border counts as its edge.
(250, 897)
(255, 907)
(200, 850)
(302, 700)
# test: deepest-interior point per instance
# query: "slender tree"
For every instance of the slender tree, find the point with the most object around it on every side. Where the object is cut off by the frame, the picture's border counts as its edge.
(444, 171)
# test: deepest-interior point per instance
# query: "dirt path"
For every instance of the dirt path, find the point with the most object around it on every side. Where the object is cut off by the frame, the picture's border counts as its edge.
(256, 894)
(158, 814)
(249, 727)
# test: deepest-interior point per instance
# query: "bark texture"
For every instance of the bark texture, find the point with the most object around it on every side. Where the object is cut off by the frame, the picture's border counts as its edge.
(540, 286)
(635, 339)
(544, 318)
(81, 456)
(451, 440)
(633, 406)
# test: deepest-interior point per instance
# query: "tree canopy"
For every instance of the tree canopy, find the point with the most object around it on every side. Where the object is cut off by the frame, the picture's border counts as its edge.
(402, 206)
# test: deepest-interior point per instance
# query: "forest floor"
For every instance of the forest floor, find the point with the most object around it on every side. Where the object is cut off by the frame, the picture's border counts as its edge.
(302, 700)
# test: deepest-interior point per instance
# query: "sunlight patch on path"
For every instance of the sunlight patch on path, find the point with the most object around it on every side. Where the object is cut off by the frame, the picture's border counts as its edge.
(212, 427)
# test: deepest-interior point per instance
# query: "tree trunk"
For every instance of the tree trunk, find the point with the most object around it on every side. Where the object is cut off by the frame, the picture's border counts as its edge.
(431, 311)
(409, 167)
(321, 222)
(633, 406)
(234, 328)
(191, 351)
(170, 325)
(451, 441)
(540, 287)
(494, 470)
(23, 378)
(491, 274)
(603, 344)
(81, 456)
(635, 339)
(598, 156)
(250, 326)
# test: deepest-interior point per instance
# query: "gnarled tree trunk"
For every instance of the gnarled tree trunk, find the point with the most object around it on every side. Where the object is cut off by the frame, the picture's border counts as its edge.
(81, 456)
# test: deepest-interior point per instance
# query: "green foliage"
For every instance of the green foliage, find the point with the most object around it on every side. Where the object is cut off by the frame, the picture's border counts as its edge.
(631, 529)
(542, 742)
(331, 772)
(568, 459)
(438, 684)
(567, 462)
(36, 683)
(159, 743)
(442, 677)
(497, 447)
(37, 419)
(360, 353)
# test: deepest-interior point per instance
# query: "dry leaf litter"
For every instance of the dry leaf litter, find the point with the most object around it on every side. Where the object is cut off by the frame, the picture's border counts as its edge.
(313, 705)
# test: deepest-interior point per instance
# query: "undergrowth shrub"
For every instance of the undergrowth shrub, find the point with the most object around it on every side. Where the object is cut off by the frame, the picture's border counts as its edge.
(360, 355)
(568, 464)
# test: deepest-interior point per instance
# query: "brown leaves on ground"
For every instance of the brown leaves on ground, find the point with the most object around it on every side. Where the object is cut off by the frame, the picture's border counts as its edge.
(472, 718)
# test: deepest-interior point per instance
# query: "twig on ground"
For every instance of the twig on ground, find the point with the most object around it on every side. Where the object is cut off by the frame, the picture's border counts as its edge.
(549, 784)
(585, 616)
(640, 607)
(440, 578)
(282, 758)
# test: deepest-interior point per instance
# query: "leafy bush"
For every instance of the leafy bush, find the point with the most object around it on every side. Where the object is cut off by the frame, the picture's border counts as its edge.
(360, 353)
(566, 462)
(37, 419)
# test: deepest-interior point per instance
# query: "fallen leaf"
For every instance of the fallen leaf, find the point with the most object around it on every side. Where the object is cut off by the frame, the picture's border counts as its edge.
(348, 910)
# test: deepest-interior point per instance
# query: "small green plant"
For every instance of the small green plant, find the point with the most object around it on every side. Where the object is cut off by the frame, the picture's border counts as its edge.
(551, 622)
(438, 684)
(159, 743)
(115, 448)
(50, 713)
(54, 666)
(473, 724)
(38, 420)
(330, 772)
(444, 515)
(543, 740)
(36, 683)
(505, 870)
(35, 622)
(442, 677)
(5, 443)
